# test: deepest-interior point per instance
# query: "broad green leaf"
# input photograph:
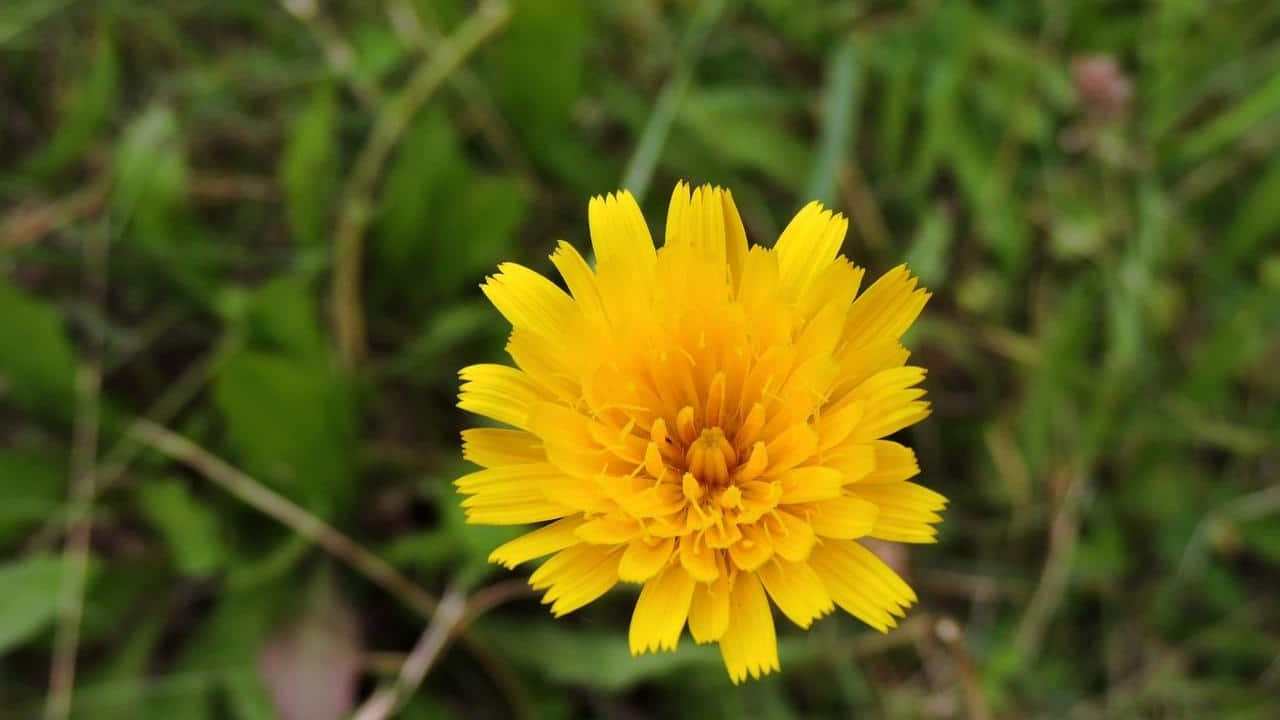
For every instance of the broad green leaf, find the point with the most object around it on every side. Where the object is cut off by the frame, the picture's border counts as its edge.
(427, 228)
(477, 231)
(282, 316)
(290, 422)
(32, 485)
(37, 363)
(190, 527)
(309, 167)
(19, 16)
(747, 126)
(29, 601)
(428, 167)
(536, 68)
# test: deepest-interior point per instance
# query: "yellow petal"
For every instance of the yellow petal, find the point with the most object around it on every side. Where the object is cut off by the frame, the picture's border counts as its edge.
(492, 447)
(580, 280)
(517, 512)
(709, 611)
(845, 517)
(735, 240)
(530, 301)
(753, 550)
(791, 448)
(894, 462)
(810, 484)
(698, 559)
(620, 239)
(644, 557)
(496, 391)
(807, 246)
(855, 462)
(858, 362)
(661, 611)
(861, 584)
(886, 309)
(907, 511)
(576, 576)
(543, 541)
(613, 529)
(793, 537)
(797, 590)
(749, 645)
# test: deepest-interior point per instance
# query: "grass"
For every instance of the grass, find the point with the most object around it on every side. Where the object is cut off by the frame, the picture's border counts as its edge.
(1091, 191)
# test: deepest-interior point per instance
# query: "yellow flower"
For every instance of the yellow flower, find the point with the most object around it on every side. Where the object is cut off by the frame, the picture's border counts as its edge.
(707, 419)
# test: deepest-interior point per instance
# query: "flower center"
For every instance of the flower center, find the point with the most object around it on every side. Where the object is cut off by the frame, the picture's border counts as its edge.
(711, 458)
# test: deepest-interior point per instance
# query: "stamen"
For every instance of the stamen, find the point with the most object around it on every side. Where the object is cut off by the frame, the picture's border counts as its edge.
(710, 458)
(686, 426)
(755, 465)
(731, 498)
(653, 461)
(715, 401)
(749, 431)
(692, 489)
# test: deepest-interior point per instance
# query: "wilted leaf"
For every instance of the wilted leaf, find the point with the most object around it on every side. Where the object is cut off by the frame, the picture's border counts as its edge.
(311, 666)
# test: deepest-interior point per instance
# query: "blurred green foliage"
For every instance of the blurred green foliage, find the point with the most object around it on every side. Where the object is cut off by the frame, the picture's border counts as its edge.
(1091, 189)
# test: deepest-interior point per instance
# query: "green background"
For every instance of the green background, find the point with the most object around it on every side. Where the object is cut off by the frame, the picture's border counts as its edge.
(1091, 189)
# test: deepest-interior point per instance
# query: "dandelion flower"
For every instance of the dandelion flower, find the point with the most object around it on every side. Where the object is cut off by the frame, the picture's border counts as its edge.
(707, 420)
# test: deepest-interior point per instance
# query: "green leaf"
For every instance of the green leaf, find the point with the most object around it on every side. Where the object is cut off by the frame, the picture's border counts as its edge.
(31, 488)
(282, 316)
(1258, 217)
(931, 247)
(427, 226)
(536, 68)
(291, 423)
(151, 177)
(86, 109)
(477, 231)
(1263, 537)
(593, 658)
(747, 126)
(30, 598)
(37, 364)
(309, 167)
(428, 167)
(19, 16)
(190, 527)
(839, 114)
(1234, 123)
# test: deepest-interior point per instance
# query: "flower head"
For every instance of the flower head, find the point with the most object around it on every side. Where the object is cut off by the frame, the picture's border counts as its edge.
(706, 419)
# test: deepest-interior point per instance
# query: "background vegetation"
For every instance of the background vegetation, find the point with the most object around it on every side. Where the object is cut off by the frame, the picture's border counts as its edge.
(259, 227)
